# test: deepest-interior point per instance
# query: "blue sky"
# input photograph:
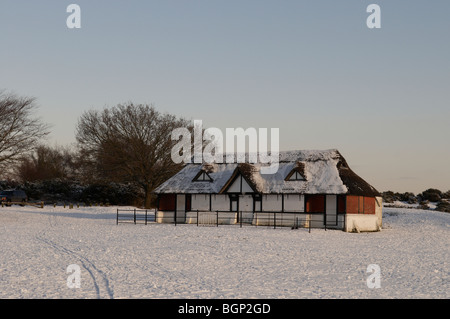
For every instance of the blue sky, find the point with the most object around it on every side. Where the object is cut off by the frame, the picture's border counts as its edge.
(310, 68)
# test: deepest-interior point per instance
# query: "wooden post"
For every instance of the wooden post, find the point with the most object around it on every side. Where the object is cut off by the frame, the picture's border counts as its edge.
(217, 218)
(117, 217)
(135, 215)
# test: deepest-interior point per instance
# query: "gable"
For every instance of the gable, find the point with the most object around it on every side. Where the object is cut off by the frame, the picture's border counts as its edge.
(245, 179)
(239, 185)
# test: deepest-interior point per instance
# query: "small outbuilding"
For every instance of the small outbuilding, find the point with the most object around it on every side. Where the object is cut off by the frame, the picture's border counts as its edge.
(310, 189)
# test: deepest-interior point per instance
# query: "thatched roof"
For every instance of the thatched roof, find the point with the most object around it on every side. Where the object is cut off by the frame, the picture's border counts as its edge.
(324, 172)
(355, 184)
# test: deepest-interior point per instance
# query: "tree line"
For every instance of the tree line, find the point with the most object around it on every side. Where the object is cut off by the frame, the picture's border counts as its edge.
(121, 153)
(421, 200)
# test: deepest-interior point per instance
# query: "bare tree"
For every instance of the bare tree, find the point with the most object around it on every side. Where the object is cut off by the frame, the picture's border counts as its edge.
(20, 131)
(47, 163)
(129, 143)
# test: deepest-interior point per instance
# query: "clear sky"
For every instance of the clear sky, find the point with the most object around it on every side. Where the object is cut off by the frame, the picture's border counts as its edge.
(313, 69)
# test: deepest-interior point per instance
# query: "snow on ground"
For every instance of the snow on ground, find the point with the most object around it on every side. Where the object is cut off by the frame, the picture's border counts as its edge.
(186, 261)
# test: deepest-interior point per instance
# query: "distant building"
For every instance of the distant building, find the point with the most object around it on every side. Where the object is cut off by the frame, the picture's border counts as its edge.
(311, 189)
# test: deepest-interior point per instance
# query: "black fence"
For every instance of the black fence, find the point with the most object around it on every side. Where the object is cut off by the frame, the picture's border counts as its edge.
(294, 220)
(135, 216)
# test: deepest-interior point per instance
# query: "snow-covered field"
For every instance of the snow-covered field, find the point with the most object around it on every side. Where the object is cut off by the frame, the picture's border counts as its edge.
(164, 261)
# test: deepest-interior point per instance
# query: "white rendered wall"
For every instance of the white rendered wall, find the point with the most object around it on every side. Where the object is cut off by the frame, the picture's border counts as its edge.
(294, 203)
(181, 202)
(236, 186)
(361, 223)
(211, 218)
(220, 202)
(379, 210)
(271, 203)
(200, 202)
(246, 203)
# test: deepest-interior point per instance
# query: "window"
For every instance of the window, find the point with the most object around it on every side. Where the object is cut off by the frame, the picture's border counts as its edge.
(295, 175)
(360, 205)
(166, 202)
(353, 204)
(234, 202)
(188, 204)
(342, 204)
(369, 205)
(202, 176)
(315, 203)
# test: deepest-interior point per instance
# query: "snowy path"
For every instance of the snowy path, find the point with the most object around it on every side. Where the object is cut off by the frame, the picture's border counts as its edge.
(164, 261)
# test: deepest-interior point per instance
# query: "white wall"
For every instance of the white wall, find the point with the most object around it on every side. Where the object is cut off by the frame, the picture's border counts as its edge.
(294, 203)
(246, 203)
(220, 202)
(181, 202)
(379, 210)
(271, 203)
(200, 202)
(361, 223)
(166, 217)
(236, 186)
(210, 218)
(288, 219)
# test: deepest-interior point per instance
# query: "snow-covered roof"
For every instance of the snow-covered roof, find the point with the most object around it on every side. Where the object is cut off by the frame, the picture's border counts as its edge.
(325, 172)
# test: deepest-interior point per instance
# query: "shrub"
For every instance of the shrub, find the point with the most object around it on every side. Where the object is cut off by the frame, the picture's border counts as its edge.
(410, 198)
(389, 197)
(432, 194)
(443, 206)
(111, 193)
(424, 205)
(446, 195)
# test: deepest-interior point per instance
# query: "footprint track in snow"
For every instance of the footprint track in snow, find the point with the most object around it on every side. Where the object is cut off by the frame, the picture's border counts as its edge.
(99, 278)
